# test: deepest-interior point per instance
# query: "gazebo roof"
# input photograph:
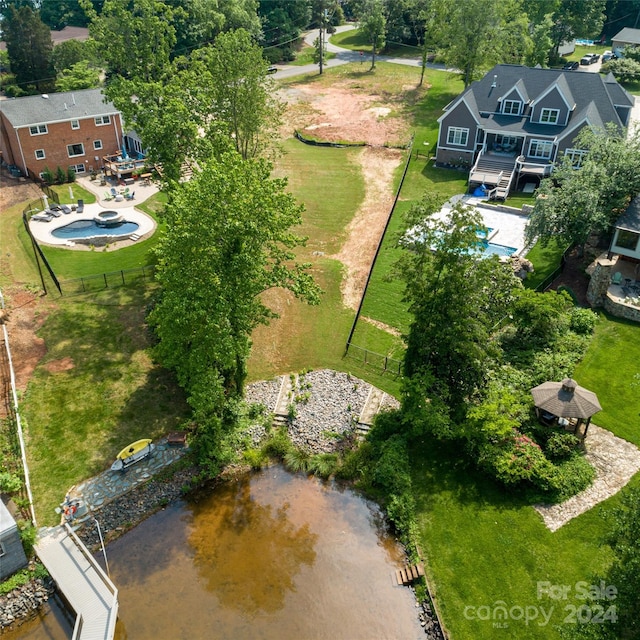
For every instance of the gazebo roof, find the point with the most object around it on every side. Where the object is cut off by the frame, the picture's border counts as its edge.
(566, 399)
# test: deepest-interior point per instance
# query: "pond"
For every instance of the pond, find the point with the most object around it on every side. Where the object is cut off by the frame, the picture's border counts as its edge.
(273, 555)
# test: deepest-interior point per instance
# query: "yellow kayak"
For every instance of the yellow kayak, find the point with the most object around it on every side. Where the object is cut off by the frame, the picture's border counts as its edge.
(136, 451)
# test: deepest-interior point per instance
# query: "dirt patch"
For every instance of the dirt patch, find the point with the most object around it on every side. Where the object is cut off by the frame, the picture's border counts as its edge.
(343, 114)
(64, 364)
(365, 230)
(15, 192)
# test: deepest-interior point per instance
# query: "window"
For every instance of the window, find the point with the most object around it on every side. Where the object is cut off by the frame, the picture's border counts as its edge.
(576, 156)
(75, 150)
(549, 116)
(511, 107)
(40, 154)
(97, 144)
(2, 551)
(540, 149)
(102, 120)
(78, 168)
(75, 124)
(627, 240)
(38, 130)
(457, 135)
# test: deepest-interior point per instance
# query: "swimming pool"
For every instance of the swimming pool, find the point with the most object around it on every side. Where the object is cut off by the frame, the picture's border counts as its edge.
(88, 229)
(491, 248)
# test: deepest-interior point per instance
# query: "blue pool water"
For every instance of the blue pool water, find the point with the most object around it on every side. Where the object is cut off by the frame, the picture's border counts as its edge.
(490, 248)
(88, 229)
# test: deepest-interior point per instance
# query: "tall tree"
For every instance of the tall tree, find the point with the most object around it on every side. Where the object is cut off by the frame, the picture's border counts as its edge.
(373, 24)
(468, 35)
(57, 14)
(283, 20)
(228, 240)
(135, 38)
(241, 92)
(455, 297)
(576, 19)
(576, 204)
(29, 47)
(70, 52)
(79, 76)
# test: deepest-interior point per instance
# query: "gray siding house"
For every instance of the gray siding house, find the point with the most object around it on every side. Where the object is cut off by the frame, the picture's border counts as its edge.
(518, 121)
(12, 555)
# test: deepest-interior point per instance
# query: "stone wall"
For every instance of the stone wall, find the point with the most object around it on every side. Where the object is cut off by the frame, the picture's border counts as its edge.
(621, 309)
(600, 280)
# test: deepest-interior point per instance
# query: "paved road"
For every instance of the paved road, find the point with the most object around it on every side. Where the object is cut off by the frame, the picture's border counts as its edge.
(344, 56)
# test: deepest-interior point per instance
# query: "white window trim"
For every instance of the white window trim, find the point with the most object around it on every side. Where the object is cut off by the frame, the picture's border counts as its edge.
(99, 143)
(75, 155)
(75, 124)
(2, 550)
(39, 132)
(78, 168)
(549, 112)
(38, 157)
(100, 121)
(457, 132)
(576, 156)
(548, 143)
(511, 103)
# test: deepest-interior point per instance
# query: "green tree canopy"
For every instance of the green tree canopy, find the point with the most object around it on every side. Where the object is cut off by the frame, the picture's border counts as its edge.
(373, 24)
(455, 298)
(574, 204)
(69, 52)
(80, 76)
(29, 47)
(228, 240)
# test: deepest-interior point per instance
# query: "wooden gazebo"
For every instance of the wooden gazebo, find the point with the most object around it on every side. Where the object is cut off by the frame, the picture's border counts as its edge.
(565, 403)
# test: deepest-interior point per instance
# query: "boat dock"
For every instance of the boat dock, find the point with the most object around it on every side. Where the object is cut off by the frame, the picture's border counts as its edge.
(85, 585)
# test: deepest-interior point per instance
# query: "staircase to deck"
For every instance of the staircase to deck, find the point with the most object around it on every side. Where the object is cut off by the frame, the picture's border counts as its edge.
(495, 172)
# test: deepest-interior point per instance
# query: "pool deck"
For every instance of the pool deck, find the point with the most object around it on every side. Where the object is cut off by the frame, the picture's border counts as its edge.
(508, 228)
(146, 224)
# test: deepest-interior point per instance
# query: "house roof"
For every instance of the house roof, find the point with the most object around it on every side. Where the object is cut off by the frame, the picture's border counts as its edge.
(67, 33)
(56, 107)
(594, 97)
(7, 523)
(628, 36)
(630, 219)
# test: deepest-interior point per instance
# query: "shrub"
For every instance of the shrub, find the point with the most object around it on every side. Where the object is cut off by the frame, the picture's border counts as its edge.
(297, 460)
(9, 482)
(324, 464)
(48, 176)
(561, 446)
(583, 321)
(392, 469)
(570, 477)
(255, 458)
(568, 290)
(14, 91)
(61, 175)
(71, 175)
(278, 445)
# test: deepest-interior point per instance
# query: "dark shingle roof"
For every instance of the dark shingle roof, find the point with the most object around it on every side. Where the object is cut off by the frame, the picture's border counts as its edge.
(591, 95)
(630, 219)
(56, 107)
(627, 35)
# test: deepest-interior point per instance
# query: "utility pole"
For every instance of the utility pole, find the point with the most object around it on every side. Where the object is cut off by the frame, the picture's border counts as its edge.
(321, 39)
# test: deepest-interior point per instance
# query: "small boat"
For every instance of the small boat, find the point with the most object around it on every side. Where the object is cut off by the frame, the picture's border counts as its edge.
(136, 451)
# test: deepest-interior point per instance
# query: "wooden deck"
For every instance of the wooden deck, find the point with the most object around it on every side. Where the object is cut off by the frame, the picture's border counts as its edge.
(85, 586)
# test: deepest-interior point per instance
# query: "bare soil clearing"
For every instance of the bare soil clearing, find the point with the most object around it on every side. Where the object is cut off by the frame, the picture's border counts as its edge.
(345, 113)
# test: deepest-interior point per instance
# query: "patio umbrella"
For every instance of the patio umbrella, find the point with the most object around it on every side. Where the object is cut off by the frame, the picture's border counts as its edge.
(566, 399)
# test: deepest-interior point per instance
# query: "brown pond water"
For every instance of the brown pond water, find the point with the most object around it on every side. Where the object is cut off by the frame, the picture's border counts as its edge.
(274, 555)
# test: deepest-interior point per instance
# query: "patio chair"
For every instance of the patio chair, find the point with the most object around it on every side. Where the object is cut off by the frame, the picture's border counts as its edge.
(65, 208)
(114, 192)
(80, 207)
(130, 196)
(108, 196)
(616, 278)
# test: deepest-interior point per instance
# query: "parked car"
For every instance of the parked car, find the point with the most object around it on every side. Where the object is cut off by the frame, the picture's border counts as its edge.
(272, 70)
(570, 66)
(608, 55)
(590, 58)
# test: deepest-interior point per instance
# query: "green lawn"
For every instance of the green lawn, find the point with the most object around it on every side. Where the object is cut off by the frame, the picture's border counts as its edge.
(65, 192)
(305, 56)
(484, 546)
(545, 261)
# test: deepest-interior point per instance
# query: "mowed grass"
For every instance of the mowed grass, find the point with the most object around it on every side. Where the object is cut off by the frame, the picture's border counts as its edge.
(484, 546)
(96, 390)
(611, 368)
(545, 259)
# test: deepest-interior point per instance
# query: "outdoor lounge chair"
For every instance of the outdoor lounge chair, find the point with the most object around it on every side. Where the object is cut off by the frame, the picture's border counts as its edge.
(42, 217)
(617, 278)
(130, 196)
(56, 213)
(80, 207)
(65, 208)
(107, 196)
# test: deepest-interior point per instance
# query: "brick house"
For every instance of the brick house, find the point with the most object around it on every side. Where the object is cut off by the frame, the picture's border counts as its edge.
(74, 129)
(517, 122)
